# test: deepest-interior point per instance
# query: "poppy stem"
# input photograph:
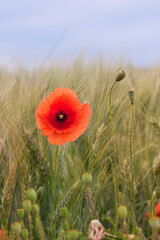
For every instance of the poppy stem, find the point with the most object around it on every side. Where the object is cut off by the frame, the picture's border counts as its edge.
(52, 187)
(115, 164)
(132, 174)
(55, 167)
(54, 171)
(90, 204)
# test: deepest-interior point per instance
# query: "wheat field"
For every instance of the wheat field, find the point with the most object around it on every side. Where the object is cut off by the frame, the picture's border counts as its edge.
(26, 155)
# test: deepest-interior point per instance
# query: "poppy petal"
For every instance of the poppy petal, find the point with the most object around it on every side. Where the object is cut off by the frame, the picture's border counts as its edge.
(62, 117)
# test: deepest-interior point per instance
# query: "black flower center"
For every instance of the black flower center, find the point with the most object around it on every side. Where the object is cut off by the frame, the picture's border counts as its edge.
(61, 116)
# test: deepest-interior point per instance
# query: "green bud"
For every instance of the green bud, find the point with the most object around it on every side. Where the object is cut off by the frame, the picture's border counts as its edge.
(137, 237)
(122, 210)
(156, 166)
(157, 190)
(73, 235)
(27, 205)
(36, 208)
(87, 178)
(4, 221)
(25, 234)
(131, 96)
(40, 193)
(16, 228)
(20, 213)
(120, 75)
(154, 222)
(31, 195)
(64, 212)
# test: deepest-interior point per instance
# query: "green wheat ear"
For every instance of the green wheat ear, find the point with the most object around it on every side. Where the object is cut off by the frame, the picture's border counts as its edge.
(155, 126)
(9, 191)
(36, 158)
(26, 179)
(67, 200)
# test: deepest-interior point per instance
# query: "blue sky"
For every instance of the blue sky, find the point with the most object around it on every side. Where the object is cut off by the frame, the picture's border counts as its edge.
(38, 31)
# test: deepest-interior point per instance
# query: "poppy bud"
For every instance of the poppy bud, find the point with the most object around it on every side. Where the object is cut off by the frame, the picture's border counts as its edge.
(39, 193)
(16, 228)
(64, 212)
(154, 222)
(4, 221)
(25, 234)
(20, 213)
(156, 165)
(36, 208)
(31, 195)
(27, 206)
(86, 178)
(157, 190)
(73, 235)
(122, 210)
(120, 75)
(131, 96)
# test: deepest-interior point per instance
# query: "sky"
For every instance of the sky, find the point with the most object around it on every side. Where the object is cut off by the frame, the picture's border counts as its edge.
(38, 32)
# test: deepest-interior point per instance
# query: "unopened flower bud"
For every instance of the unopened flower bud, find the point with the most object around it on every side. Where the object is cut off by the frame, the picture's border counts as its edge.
(27, 206)
(120, 75)
(87, 178)
(20, 213)
(73, 235)
(31, 195)
(40, 193)
(36, 208)
(4, 221)
(122, 210)
(16, 228)
(154, 222)
(131, 96)
(64, 212)
(25, 234)
(137, 238)
(157, 190)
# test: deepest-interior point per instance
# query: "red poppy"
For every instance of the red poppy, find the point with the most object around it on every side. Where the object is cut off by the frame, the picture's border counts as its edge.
(62, 117)
(2, 235)
(157, 211)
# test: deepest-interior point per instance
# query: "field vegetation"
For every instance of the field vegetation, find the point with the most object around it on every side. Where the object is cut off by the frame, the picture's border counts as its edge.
(128, 155)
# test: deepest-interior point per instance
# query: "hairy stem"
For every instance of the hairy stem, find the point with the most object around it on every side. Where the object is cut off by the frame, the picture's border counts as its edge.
(90, 204)
(115, 179)
(30, 227)
(52, 188)
(132, 174)
(55, 167)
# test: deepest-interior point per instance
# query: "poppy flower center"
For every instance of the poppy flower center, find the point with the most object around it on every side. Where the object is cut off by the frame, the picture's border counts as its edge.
(61, 116)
